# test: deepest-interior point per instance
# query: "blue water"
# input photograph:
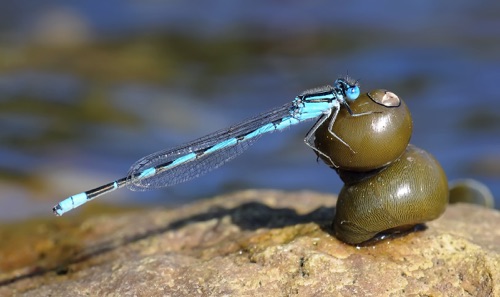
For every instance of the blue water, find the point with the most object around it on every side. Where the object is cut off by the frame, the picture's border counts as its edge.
(72, 121)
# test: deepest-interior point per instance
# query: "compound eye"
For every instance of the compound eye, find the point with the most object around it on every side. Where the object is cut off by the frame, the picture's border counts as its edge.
(352, 93)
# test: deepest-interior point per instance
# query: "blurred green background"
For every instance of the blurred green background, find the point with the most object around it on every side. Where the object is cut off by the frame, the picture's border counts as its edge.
(88, 87)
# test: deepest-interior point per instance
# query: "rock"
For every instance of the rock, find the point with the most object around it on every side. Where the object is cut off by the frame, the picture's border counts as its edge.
(250, 243)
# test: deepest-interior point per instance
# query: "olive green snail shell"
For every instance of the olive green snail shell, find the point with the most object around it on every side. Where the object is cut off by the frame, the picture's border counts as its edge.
(471, 191)
(375, 139)
(412, 190)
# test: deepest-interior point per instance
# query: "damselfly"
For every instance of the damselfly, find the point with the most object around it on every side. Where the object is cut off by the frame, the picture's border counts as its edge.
(172, 166)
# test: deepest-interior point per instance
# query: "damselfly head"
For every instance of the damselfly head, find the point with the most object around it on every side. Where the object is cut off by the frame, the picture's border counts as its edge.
(349, 87)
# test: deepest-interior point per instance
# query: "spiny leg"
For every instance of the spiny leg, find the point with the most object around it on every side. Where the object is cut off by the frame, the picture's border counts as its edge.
(334, 117)
(349, 110)
(364, 113)
(330, 129)
(310, 134)
(322, 119)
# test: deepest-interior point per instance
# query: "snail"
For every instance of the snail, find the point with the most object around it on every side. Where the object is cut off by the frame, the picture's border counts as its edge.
(471, 191)
(411, 191)
(389, 185)
(375, 138)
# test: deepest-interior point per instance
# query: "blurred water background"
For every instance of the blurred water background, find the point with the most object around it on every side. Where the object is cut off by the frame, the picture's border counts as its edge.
(88, 87)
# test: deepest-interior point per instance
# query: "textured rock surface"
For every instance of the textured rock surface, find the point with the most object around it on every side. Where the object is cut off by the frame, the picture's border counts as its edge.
(252, 243)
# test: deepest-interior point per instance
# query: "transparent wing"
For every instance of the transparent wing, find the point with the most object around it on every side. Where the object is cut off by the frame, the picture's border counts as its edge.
(203, 164)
